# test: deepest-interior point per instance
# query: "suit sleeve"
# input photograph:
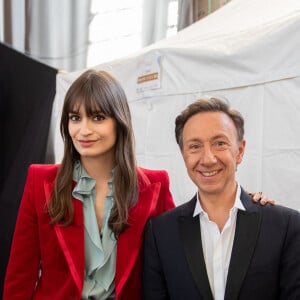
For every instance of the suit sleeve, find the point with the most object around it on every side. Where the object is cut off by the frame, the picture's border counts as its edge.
(154, 285)
(23, 264)
(153, 280)
(290, 262)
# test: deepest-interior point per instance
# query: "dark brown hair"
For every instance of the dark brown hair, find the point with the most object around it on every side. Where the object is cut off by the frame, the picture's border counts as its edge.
(208, 105)
(98, 91)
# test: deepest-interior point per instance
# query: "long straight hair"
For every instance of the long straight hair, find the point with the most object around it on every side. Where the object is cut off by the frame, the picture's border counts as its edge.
(98, 91)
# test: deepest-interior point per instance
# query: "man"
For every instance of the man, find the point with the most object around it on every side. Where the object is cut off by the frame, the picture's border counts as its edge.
(221, 244)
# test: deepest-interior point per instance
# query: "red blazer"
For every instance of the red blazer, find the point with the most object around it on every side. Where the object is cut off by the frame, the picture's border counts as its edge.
(59, 251)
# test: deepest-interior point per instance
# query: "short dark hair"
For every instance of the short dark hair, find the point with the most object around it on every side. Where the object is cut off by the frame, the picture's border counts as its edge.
(208, 105)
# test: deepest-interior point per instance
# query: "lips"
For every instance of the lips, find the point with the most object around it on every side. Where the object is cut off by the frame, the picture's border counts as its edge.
(86, 143)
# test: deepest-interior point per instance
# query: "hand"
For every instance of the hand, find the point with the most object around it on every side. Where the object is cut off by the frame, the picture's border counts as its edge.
(262, 199)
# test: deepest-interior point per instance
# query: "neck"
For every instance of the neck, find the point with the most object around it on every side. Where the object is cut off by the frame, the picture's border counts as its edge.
(98, 169)
(217, 206)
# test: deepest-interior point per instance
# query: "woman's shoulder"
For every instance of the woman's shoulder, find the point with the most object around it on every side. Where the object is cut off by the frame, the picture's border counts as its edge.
(43, 170)
(150, 176)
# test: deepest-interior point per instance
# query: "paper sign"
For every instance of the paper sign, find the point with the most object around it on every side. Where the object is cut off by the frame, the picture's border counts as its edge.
(149, 73)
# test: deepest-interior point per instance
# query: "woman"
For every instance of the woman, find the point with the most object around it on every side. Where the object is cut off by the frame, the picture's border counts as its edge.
(57, 251)
(80, 227)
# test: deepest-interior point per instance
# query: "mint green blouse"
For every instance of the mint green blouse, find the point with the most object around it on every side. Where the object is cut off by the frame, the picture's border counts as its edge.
(100, 247)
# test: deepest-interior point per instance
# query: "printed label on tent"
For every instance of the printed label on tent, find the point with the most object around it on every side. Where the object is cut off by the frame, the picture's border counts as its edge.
(148, 77)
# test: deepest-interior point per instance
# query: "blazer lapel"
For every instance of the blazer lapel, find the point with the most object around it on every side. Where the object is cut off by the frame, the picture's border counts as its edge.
(247, 231)
(130, 241)
(191, 238)
(71, 239)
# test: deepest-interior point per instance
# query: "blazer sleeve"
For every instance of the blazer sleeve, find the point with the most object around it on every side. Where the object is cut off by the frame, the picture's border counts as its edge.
(290, 262)
(23, 265)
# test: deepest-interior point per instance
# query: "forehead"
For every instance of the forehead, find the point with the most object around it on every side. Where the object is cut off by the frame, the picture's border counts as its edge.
(209, 124)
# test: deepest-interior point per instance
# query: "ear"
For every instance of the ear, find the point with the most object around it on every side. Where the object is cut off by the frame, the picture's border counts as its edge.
(241, 151)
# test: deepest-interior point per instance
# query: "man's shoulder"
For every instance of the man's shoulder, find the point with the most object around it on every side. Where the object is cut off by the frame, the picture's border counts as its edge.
(279, 211)
(278, 215)
(185, 209)
(268, 208)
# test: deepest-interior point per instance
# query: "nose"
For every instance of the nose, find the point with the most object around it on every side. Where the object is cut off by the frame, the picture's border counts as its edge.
(85, 128)
(207, 156)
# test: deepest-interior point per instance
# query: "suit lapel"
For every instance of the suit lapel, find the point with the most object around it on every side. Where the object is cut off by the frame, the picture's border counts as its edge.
(130, 241)
(71, 239)
(247, 231)
(191, 238)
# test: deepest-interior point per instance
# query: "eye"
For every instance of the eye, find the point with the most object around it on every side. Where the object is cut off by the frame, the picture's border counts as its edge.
(220, 145)
(194, 146)
(74, 117)
(99, 117)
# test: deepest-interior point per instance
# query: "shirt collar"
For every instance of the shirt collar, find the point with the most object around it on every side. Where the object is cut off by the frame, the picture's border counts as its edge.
(237, 203)
(85, 183)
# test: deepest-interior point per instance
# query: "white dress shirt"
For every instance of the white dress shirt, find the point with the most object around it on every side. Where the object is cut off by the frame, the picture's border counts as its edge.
(217, 246)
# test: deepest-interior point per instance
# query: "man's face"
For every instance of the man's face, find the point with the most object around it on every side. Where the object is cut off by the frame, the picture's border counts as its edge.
(211, 152)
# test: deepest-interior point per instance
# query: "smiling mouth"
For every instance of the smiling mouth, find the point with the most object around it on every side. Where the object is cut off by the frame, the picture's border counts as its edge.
(209, 174)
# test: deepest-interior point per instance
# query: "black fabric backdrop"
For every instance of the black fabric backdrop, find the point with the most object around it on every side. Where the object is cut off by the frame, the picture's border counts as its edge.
(27, 90)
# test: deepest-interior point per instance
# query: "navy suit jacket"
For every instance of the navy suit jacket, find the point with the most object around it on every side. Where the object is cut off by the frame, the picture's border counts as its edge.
(264, 265)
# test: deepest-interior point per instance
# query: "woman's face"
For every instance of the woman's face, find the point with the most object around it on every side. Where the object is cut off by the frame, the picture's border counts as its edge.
(93, 136)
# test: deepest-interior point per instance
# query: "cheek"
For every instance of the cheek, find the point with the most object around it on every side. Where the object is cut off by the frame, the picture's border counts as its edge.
(72, 131)
(190, 160)
(113, 134)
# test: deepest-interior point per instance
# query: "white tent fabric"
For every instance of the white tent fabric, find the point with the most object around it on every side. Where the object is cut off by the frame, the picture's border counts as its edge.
(247, 52)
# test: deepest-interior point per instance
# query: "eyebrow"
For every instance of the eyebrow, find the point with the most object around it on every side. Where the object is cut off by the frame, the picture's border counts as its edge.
(193, 140)
(219, 136)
